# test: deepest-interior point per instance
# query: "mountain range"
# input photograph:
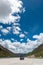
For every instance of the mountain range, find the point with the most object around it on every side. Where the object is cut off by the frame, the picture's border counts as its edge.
(6, 53)
(38, 52)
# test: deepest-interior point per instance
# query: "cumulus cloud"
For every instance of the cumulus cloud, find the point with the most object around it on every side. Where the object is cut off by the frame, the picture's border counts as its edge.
(38, 36)
(18, 47)
(22, 35)
(4, 31)
(7, 10)
(15, 47)
(9, 28)
(9, 7)
(16, 30)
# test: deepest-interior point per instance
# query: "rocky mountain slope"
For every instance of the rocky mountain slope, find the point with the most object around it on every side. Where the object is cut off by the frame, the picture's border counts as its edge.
(6, 53)
(38, 52)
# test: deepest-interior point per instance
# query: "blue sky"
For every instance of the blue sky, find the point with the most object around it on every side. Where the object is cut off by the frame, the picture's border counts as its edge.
(21, 25)
(31, 20)
(33, 17)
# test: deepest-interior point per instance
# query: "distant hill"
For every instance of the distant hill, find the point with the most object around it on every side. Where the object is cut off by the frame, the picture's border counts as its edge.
(6, 53)
(38, 52)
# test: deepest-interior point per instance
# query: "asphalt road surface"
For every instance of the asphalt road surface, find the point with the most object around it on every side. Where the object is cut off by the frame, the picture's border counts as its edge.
(17, 61)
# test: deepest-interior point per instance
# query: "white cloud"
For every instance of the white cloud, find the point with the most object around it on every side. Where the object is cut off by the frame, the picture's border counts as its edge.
(35, 36)
(38, 36)
(21, 39)
(9, 28)
(16, 24)
(22, 35)
(4, 31)
(7, 8)
(18, 47)
(12, 39)
(15, 47)
(16, 30)
(1, 27)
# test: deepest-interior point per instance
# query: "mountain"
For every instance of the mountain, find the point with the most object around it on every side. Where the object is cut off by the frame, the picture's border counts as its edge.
(6, 53)
(38, 52)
